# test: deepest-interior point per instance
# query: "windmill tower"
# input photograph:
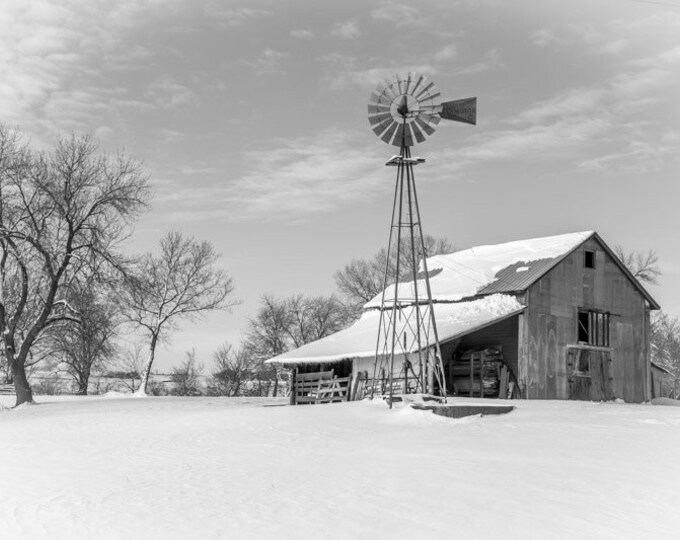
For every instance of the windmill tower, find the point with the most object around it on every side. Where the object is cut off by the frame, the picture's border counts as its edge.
(404, 110)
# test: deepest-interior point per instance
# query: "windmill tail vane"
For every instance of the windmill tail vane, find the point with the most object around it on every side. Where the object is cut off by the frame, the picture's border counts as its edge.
(404, 110)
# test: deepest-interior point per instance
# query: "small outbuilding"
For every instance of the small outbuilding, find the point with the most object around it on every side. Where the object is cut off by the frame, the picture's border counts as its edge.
(559, 317)
(657, 374)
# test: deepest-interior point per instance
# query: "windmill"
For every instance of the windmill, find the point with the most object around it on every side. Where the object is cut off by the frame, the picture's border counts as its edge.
(404, 110)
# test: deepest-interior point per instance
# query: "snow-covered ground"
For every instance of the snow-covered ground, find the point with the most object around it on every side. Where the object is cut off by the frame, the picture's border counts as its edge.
(239, 468)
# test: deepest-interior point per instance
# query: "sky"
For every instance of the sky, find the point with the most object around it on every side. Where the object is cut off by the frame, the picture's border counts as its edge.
(251, 118)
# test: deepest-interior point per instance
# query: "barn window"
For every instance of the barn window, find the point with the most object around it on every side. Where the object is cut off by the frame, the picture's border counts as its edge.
(589, 259)
(593, 328)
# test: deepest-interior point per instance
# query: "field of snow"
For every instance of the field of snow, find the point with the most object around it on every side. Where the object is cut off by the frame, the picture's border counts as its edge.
(241, 468)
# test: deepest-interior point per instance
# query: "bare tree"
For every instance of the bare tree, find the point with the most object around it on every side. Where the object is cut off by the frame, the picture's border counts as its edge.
(233, 368)
(643, 266)
(268, 337)
(59, 211)
(665, 340)
(362, 279)
(88, 344)
(286, 323)
(182, 282)
(129, 365)
(186, 377)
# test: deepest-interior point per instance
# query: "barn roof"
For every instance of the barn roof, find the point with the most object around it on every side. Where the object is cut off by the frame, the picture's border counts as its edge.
(359, 340)
(501, 268)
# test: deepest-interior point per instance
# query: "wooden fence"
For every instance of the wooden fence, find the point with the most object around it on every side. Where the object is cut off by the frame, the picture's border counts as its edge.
(320, 387)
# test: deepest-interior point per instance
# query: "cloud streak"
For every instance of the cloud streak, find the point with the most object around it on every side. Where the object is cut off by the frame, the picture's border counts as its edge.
(290, 179)
(618, 120)
(307, 175)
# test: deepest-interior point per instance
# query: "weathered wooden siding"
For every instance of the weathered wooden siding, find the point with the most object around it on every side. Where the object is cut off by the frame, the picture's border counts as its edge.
(550, 324)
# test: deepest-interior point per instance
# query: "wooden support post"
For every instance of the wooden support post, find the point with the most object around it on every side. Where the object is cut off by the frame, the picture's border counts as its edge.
(481, 375)
(503, 390)
(406, 364)
(293, 377)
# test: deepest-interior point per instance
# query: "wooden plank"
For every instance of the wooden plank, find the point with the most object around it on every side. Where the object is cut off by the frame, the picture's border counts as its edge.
(359, 385)
(503, 390)
(596, 376)
(481, 375)
(293, 391)
(315, 376)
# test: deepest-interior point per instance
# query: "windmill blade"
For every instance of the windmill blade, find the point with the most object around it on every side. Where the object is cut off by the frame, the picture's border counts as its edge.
(417, 132)
(408, 136)
(422, 123)
(431, 98)
(379, 118)
(396, 141)
(391, 87)
(429, 86)
(419, 81)
(382, 88)
(387, 136)
(378, 130)
(460, 110)
(378, 109)
(380, 99)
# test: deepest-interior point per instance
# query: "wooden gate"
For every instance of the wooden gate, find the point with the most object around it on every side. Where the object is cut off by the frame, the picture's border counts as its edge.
(319, 387)
(589, 374)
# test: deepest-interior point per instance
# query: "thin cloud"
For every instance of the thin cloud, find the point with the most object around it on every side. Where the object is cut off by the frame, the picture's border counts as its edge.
(545, 38)
(268, 63)
(574, 102)
(638, 156)
(491, 61)
(401, 15)
(286, 179)
(169, 94)
(446, 54)
(615, 114)
(52, 60)
(289, 179)
(343, 72)
(229, 17)
(304, 176)
(346, 30)
(303, 34)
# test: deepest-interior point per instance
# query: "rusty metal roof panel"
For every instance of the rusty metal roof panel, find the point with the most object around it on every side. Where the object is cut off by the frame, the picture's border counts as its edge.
(518, 276)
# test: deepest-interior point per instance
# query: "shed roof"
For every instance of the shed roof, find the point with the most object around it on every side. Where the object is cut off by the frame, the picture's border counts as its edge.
(659, 367)
(359, 340)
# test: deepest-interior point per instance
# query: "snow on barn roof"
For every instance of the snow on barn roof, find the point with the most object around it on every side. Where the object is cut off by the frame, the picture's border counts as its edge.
(482, 270)
(359, 340)
(471, 289)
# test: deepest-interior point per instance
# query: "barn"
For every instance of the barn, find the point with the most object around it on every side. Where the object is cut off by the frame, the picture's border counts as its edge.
(557, 317)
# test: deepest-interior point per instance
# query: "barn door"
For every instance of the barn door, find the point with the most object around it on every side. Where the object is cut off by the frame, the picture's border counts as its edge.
(589, 375)
(578, 374)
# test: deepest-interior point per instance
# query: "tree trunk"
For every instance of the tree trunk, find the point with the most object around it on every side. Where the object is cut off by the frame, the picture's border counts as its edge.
(21, 386)
(83, 381)
(141, 391)
(82, 388)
